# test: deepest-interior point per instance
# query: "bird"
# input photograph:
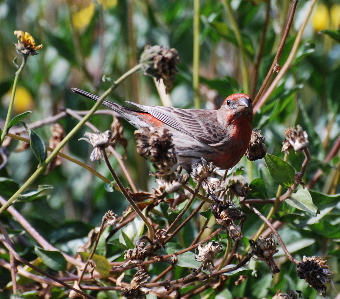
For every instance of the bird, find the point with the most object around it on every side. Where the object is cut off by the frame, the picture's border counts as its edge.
(219, 136)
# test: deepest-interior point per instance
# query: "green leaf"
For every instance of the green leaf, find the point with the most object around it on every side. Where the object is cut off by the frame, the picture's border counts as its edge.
(206, 214)
(326, 229)
(334, 34)
(102, 264)
(17, 119)
(33, 194)
(241, 269)
(8, 187)
(118, 244)
(323, 199)
(258, 189)
(37, 144)
(53, 259)
(128, 242)
(302, 200)
(186, 260)
(280, 170)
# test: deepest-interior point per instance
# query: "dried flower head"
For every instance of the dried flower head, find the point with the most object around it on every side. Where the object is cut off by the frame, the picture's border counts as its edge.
(203, 170)
(26, 44)
(238, 185)
(160, 236)
(296, 138)
(264, 249)
(139, 253)
(257, 148)
(173, 185)
(225, 215)
(207, 253)
(99, 141)
(110, 218)
(289, 295)
(156, 144)
(136, 290)
(315, 271)
(160, 63)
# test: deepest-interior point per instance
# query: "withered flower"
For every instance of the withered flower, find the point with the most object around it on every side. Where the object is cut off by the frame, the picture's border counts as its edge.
(225, 215)
(136, 290)
(315, 271)
(110, 218)
(99, 141)
(160, 236)
(139, 253)
(173, 185)
(264, 249)
(289, 295)
(156, 144)
(207, 253)
(26, 44)
(160, 63)
(296, 138)
(257, 148)
(203, 170)
(238, 185)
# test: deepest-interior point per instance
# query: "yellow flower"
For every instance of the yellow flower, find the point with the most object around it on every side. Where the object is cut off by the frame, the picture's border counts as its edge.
(26, 44)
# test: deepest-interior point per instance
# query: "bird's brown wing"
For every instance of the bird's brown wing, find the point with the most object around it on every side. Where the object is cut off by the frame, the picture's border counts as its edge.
(200, 124)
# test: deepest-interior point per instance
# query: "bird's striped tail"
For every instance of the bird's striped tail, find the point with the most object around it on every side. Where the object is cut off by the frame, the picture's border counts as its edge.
(95, 98)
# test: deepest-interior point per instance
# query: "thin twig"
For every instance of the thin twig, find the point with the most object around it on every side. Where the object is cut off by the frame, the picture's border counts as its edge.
(185, 222)
(36, 236)
(175, 222)
(265, 220)
(277, 56)
(7, 242)
(111, 149)
(334, 150)
(127, 196)
(260, 102)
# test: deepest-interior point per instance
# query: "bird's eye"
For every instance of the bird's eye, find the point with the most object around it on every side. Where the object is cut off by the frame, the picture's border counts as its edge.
(228, 102)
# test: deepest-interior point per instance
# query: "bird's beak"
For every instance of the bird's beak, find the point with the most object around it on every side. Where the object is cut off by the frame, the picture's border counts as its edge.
(243, 105)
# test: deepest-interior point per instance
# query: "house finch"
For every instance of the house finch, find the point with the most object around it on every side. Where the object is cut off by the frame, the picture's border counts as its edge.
(218, 136)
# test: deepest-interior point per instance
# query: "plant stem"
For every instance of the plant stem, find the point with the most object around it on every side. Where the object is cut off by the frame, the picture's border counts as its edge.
(11, 103)
(287, 64)
(244, 70)
(127, 196)
(42, 166)
(196, 54)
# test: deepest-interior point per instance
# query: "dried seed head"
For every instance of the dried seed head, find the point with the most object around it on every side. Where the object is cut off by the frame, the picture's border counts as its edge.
(212, 185)
(140, 278)
(160, 63)
(137, 254)
(156, 144)
(99, 141)
(136, 290)
(26, 44)
(289, 295)
(203, 170)
(316, 272)
(207, 253)
(110, 218)
(225, 215)
(238, 185)
(296, 138)
(256, 149)
(173, 185)
(264, 249)
(160, 236)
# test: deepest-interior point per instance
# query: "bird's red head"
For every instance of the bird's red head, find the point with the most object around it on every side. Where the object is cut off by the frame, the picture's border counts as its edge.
(237, 105)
